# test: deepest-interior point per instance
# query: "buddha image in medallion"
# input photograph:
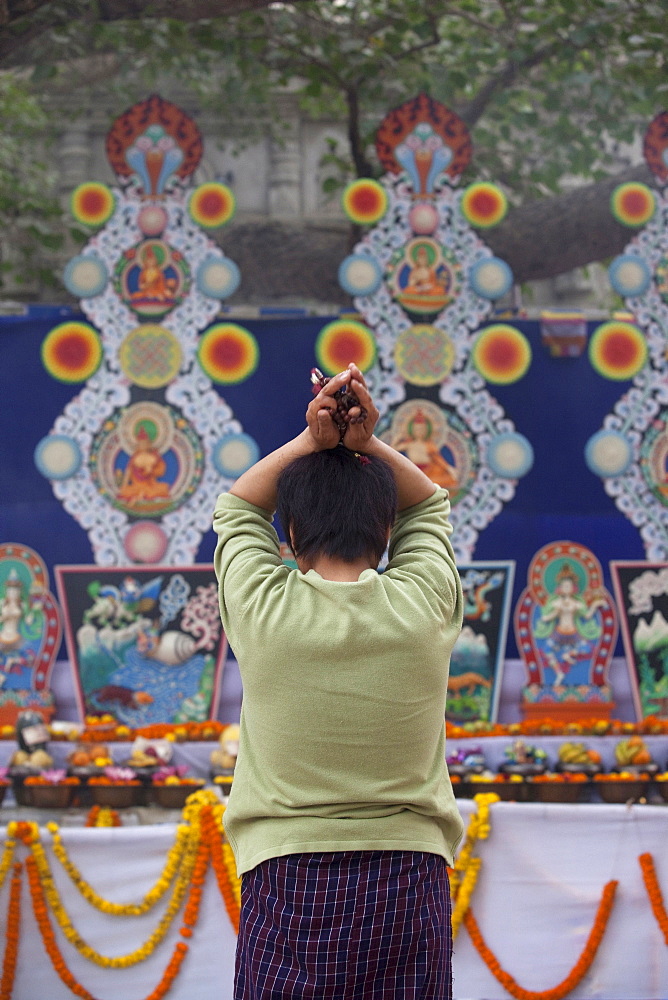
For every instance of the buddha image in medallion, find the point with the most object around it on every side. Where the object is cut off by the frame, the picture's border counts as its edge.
(423, 277)
(436, 441)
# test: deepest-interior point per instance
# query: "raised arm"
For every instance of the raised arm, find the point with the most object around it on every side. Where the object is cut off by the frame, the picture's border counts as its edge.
(258, 484)
(412, 484)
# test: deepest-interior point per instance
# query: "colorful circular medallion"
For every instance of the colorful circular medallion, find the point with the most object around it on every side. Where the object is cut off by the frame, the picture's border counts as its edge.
(510, 455)
(501, 354)
(491, 278)
(58, 456)
(654, 458)
(152, 278)
(617, 350)
(146, 460)
(218, 277)
(608, 453)
(211, 205)
(234, 453)
(152, 220)
(633, 204)
(483, 205)
(424, 354)
(629, 275)
(145, 542)
(424, 277)
(360, 274)
(423, 218)
(364, 201)
(150, 356)
(228, 353)
(72, 352)
(343, 341)
(92, 203)
(85, 276)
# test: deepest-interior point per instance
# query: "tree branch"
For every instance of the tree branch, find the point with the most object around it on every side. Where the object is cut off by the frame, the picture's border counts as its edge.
(475, 109)
(542, 239)
(25, 21)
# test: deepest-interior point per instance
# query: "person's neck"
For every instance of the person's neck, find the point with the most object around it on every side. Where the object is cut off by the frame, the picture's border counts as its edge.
(337, 570)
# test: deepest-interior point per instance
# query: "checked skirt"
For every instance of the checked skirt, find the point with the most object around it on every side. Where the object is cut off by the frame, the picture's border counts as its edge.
(358, 925)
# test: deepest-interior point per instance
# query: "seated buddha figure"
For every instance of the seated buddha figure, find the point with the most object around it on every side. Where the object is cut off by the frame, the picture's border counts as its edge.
(152, 282)
(423, 278)
(418, 446)
(141, 478)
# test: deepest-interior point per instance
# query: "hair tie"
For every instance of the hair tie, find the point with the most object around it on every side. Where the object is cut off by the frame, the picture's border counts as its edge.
(363, 459)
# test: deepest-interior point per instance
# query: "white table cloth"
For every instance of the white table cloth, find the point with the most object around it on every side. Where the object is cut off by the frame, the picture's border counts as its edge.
(543, 872)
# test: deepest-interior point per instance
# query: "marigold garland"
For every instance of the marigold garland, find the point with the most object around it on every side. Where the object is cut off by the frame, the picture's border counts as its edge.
(12, 935)
(224, 866)
(103, 816)
(654, 893)
(192, 876)
(49, 893)
(7, 854)
(172, 865)
(51, 947)
(200, 841)
(576, 974)
(464, 876)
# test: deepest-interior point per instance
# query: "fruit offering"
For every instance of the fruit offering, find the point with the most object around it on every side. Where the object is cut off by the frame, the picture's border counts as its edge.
(224, 757)
(633, 752)
(577, 757)
(524, 759)
(90, 755)
(32, 737)
(345, 400)
(466, 761)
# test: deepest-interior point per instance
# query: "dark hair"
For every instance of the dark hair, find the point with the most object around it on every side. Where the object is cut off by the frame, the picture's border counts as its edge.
(337, 503)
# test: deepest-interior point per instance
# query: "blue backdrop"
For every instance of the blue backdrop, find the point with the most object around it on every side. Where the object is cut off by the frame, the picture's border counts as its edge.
(558, 405)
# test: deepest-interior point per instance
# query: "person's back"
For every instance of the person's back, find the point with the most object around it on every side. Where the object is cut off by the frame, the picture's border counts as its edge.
(344, 673)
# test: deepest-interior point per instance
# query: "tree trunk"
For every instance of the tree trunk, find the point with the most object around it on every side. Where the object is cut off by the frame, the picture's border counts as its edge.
(541, 239)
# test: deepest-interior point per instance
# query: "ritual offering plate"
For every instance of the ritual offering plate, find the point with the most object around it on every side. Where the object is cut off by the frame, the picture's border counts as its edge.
(566, 787)
(173, 796)
(222, 777)
(464, 762)
(120, 796)
(633, 756)
(508, 788)
(626, 787)
(50, 796)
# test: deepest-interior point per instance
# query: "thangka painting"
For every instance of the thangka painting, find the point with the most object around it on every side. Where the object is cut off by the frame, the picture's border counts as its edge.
(641, 589)
(426, 284)
(630, 451)
(146, 645)
(476, 664)
(566, 628)
(30, 634)
(140, 453)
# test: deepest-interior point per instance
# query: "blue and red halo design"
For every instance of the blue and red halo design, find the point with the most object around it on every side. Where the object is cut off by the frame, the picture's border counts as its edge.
(501, 354)
(343, 341)
(228, 353)
(72, 352)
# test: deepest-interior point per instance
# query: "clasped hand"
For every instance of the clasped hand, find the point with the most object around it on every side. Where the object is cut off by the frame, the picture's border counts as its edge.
(322, 409)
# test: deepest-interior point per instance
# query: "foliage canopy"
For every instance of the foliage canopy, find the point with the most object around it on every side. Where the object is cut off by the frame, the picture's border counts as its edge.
(553, 91)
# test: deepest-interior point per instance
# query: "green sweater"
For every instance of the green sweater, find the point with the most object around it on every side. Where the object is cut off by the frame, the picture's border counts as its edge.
(342, 742)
